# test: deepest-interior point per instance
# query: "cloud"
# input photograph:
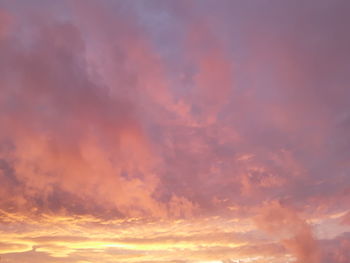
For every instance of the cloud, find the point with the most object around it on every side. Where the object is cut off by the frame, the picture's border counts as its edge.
(336, 250)
(159, 129)
(66, 130)
(295, 234)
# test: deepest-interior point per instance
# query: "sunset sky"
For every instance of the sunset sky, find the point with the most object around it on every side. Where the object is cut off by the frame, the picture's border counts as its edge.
(174, 131)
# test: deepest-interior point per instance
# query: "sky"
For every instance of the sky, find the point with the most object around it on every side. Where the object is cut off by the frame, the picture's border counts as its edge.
(174, 131)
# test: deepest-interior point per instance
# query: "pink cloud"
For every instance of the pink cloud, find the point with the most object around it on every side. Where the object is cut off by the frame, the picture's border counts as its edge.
(295, 234)
(180, 111)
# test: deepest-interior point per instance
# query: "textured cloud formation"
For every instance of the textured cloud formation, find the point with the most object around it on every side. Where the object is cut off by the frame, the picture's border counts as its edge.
(174, 131)
(296, 234)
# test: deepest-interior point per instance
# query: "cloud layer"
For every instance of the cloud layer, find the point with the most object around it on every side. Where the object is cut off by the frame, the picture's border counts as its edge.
(174, 131)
